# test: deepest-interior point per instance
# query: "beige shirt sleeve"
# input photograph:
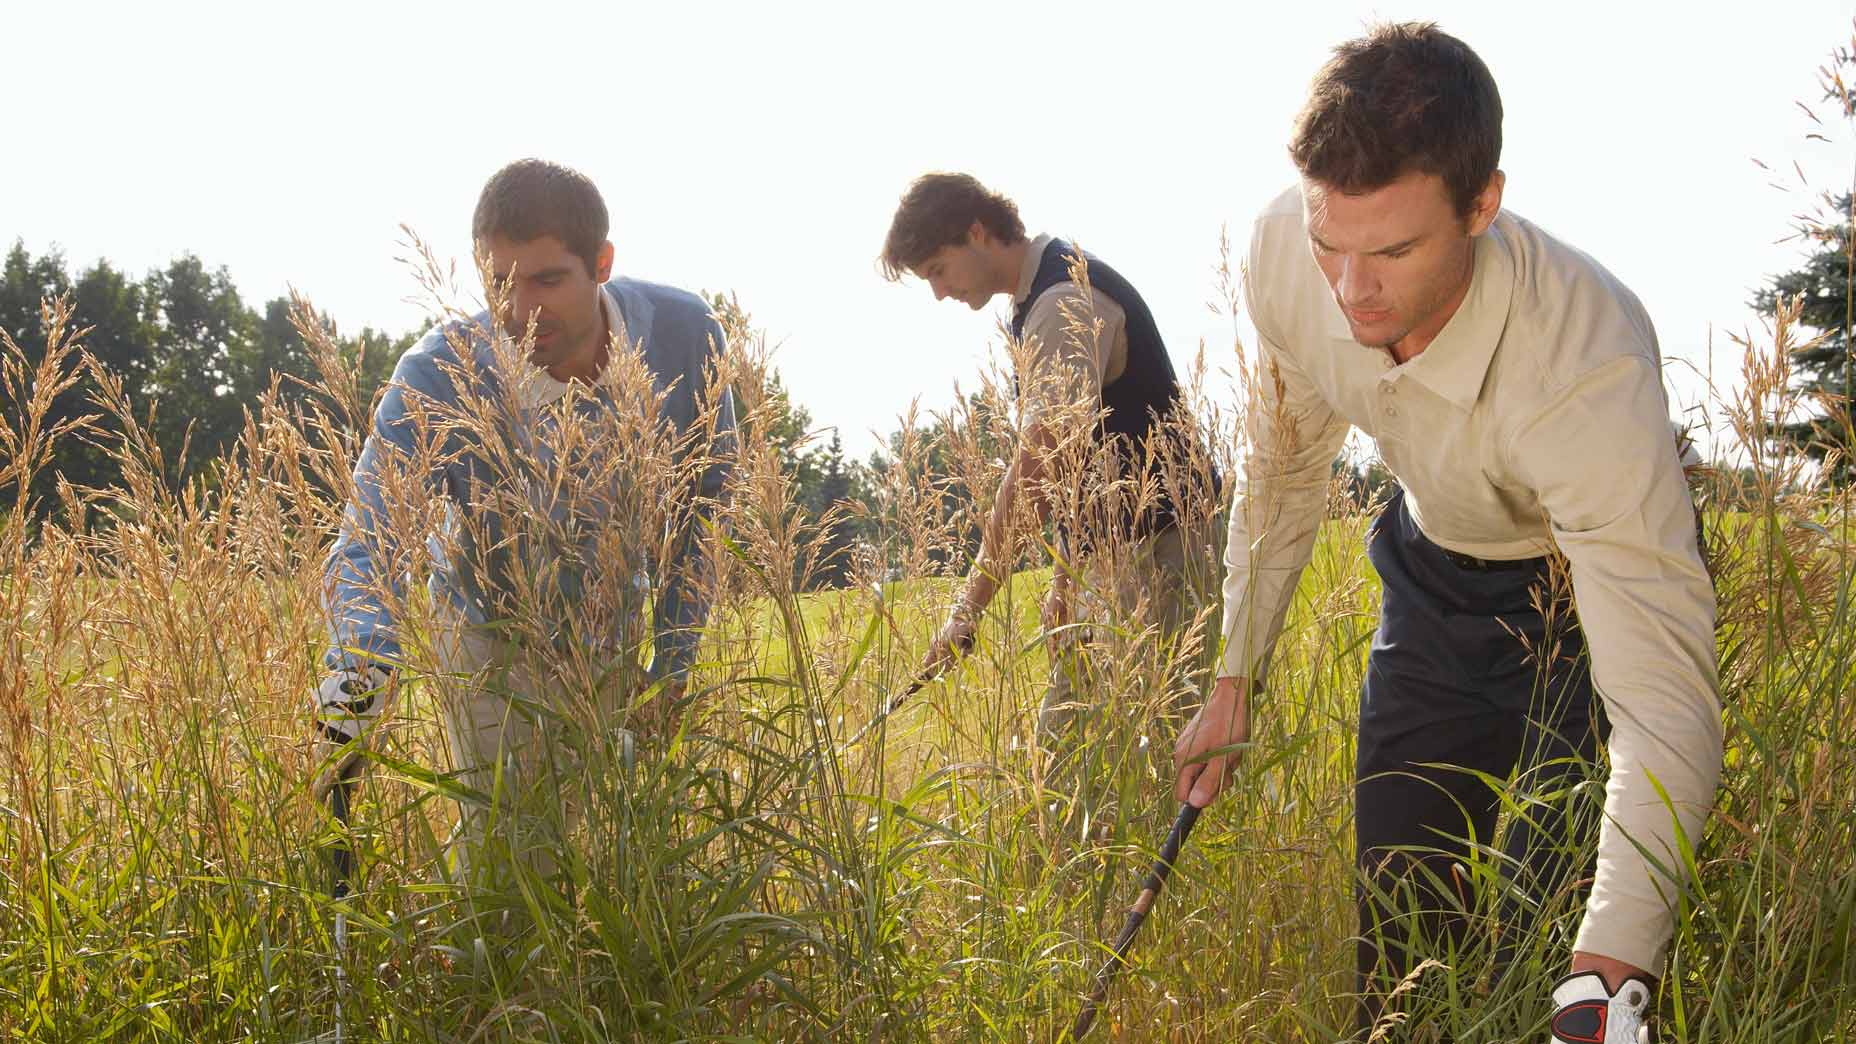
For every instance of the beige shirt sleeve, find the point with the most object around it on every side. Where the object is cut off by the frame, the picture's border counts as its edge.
(1077, 342)
(1600, 459)
(1279, 494)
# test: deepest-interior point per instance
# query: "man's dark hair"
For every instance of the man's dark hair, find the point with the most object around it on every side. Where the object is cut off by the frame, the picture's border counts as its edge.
(1404, 97)
(937, 211)
(531, 198)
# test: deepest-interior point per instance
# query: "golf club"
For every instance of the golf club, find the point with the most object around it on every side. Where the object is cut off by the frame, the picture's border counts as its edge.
(1150, 890)
(892, 706)
(344, 874)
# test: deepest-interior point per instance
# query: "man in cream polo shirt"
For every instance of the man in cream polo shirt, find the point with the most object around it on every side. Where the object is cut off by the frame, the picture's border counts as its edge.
(1514, 388)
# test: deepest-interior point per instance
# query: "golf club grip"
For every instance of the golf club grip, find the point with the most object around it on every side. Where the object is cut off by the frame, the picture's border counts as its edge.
(1150, 890)
(1175, 840)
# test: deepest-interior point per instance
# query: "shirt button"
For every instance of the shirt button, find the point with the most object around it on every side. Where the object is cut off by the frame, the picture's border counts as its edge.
(1391, 410)
(1388, 388)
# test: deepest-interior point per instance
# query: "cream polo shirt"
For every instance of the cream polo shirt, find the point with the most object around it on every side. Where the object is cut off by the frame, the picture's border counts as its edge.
(1536, 419)
(1074, 362)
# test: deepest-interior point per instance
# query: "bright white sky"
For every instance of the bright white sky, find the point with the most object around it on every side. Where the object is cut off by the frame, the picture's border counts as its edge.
(762, 147)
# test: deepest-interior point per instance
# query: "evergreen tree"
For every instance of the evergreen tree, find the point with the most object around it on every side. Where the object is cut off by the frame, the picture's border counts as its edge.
(1827, 306)
(1825, 365)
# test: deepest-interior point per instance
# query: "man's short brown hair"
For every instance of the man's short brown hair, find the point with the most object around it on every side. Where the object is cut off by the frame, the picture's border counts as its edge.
(531, 198)
(1404, 97)
(937, 211)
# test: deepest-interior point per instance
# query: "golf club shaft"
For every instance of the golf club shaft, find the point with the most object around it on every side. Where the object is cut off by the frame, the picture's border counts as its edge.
(921, 681)
(1150, 892)
(339, 796)
(889, 708)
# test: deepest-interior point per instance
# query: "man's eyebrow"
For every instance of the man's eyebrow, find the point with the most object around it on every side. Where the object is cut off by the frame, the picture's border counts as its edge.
(549, 273)
(1398, 247)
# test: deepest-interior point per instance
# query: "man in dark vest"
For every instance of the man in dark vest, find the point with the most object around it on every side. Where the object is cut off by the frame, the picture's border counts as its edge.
(1088, 347)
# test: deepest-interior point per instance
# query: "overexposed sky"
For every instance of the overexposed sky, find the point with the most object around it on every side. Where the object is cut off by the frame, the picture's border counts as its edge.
(761, 148)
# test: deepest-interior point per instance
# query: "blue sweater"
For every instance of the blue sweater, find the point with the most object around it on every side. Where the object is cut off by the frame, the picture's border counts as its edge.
(497, 558)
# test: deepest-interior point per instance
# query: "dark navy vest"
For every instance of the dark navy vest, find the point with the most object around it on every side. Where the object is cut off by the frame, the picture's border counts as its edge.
(1145, 394)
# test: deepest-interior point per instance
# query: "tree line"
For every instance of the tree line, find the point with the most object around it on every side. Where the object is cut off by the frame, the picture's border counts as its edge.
(191, 354)
(193, 357)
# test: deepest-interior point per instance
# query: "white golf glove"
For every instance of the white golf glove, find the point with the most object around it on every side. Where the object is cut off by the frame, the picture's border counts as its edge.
(1586, 1013)
(349, 704)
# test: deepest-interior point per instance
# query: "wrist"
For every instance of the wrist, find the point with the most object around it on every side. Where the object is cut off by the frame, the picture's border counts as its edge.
(1229, 689)
(1614, 972)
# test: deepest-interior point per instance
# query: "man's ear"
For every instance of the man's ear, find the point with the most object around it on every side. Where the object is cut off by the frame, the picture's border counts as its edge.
(1487, 204)
(977, 234)
(602, 263)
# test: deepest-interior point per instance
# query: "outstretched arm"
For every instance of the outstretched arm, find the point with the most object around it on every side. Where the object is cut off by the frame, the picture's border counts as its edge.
(364, 573)
(1603, 464)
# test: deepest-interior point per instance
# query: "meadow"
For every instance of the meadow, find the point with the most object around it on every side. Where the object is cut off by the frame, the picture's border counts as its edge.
(736, 868)
(744, 874)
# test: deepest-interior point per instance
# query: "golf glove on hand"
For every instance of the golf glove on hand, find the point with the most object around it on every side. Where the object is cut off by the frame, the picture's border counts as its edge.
(1585, 1013)
(349, 704)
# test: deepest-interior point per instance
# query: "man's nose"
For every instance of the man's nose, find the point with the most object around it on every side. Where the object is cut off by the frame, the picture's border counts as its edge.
(521, 309)
(1359, 281)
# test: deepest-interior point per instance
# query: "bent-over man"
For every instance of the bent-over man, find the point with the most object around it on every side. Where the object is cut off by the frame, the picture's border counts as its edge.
(1514, 387)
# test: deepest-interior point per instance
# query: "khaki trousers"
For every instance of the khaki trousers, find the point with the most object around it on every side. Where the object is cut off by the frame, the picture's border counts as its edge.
(1151, 592)
(514, 729)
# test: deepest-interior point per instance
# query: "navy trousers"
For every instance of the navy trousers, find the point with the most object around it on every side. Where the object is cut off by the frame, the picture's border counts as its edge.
(1476, 668)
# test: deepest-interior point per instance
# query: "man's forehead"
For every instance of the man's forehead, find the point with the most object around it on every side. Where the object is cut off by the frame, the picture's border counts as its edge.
(500, 246)
(1392, 213)
(532, 256)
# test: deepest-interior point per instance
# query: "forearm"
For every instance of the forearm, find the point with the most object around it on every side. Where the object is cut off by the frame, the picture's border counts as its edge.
(360, 625)
(676, 624)
(1647, 611)
(997, 551)
(1621, 514)
(682, 601)
(1270, 541)
(362, 575)
(1291, 436)
(1660, 739)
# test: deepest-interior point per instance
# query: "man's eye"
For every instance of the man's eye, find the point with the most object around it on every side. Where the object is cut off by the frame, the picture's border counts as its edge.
(1396, 254)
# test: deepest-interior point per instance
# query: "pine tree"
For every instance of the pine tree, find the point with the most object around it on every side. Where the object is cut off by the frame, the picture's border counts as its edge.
(1827, 298)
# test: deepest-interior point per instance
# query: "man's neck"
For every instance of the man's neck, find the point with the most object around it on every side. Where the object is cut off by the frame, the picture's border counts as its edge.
(586, 365)
(1011, 265)
(1415, 342)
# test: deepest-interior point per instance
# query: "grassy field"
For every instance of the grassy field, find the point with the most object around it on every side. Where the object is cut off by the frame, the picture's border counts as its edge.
(745, 875)
(166, 874)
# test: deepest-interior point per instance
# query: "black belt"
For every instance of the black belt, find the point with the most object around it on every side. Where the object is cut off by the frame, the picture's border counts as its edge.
(1490, 565)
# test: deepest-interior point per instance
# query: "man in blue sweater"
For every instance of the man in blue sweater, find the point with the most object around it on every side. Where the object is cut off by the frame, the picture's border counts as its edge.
(554, 467)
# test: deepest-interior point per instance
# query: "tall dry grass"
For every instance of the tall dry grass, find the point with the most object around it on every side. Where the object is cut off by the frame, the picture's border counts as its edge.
(744, 874)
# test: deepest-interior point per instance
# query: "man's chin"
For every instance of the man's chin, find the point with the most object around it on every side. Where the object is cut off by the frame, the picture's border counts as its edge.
(1377, 335)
